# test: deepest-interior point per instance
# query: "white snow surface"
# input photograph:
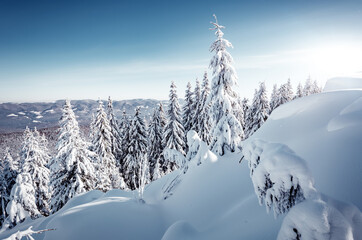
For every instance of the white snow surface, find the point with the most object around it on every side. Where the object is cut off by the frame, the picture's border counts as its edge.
(342, 83)
(216, 199)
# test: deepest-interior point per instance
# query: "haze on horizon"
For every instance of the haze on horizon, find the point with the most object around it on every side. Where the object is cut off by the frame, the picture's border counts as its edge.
(126, 49)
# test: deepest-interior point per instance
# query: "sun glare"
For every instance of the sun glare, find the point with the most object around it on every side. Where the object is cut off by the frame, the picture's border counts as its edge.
(341, 59)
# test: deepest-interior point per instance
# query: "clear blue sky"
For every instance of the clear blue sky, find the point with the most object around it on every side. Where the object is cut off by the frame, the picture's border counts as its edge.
(133, 49)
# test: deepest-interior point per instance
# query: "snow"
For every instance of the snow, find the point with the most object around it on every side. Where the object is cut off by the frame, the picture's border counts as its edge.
(21, 113)
(12, 115)
(35, 112)
(36, 121)
(341, 83)
(328, 139)
(322, 219)
(216, 199)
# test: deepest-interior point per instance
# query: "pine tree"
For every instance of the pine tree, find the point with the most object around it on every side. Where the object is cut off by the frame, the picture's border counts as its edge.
(35, 161)
(226, 130)
(245, 106)
(315, 87)
(299, 92)
(133, 168)
(274, 98)
(202, 112)
(72, 171)
(284, 94)
(174, 132)
(108, 175)
(188, 112)
(22, 204)
(155, 143)
(116, 135)
(259, 111)
(8, 173)
(195, 109)
(124, 128)
(308, 88)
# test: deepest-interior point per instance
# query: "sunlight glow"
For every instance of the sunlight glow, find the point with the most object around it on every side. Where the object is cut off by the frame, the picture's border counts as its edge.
(341, 59)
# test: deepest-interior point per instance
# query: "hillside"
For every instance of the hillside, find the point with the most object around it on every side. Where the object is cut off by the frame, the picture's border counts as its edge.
(216, 200)
(16, 116)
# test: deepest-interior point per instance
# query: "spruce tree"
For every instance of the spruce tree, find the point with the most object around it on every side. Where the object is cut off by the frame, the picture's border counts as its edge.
(8, 173)
(124, 130)
(226, 130)
(195, 109)
(108, 174)
(72, 171)
(259, 111)
(308, 87)
(35, 162)
(202, 112)
(299, 92)
(316, 88)
(116, 135)
(174, 132)
(133, 169)
(155, 143)
(274, 98)
(188, 112)
(249, 121)
(23, 203)
(245, 106)
(284, 94)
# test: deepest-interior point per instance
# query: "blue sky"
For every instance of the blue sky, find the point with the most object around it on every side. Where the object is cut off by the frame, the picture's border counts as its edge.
(133, 49)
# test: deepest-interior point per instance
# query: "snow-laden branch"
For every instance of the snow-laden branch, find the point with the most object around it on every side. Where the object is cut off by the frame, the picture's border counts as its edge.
(27, 233)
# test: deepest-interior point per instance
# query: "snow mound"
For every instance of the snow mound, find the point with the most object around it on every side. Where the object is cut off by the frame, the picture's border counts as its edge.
(180, 230)
(325, 130)
(342, 83)
(323, 219)
(350, 116)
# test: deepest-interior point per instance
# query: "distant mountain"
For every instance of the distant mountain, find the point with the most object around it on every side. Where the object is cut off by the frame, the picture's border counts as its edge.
(14, 117)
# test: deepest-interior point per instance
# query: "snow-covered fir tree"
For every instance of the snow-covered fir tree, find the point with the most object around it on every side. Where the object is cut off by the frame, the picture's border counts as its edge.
(108, 174)
(299, 92)
(315, 87)
(124, 128)
(34, 160)
(133, 168)
(8, 173)
(226, 130)
(308, 87)
(250, 115)
(23, 203)
(195, 109)
(245, 106)
(72, 170)
(284, 94)
(259, 111)
(188, 112)
(174, 136)
(202, 112)
(155, 142)
(116, 135)
(274, 98)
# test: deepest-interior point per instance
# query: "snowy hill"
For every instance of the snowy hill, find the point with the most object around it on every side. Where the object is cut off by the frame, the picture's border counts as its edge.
(216, 200)
(16, 116)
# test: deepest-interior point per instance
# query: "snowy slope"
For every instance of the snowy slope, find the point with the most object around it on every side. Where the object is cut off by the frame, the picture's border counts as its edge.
(326, 131)
(216, 200)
